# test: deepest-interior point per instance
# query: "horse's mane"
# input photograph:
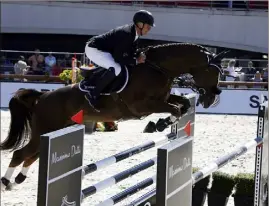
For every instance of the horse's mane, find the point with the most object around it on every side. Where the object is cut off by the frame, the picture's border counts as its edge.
(154, 47)
(211, 56)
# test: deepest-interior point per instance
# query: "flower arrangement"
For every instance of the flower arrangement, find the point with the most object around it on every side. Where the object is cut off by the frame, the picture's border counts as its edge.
(66, 75)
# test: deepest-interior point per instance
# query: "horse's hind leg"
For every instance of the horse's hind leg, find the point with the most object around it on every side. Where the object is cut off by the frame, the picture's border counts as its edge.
(25, 167)
(18, 157)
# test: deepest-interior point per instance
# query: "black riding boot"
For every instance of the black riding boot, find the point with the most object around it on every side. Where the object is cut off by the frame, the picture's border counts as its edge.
(105, 79)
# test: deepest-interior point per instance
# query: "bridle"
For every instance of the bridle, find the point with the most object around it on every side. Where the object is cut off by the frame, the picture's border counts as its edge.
(182, 82)
(186, 80)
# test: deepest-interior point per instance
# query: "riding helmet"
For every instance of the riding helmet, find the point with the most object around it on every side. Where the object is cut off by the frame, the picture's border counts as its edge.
(145, 17)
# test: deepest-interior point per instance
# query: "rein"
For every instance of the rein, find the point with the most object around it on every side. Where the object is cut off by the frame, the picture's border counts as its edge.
(158, 68)
(184, 82)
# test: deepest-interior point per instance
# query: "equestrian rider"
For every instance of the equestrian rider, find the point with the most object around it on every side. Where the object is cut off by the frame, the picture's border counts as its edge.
(115, 48)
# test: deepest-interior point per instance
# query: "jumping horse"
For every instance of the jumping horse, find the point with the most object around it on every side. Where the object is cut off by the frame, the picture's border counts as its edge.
(139, 91)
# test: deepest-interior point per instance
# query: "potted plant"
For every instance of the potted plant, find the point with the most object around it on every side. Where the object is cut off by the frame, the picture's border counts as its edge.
(66, 76)
(244, 190)
(199, 191)
(222, 187)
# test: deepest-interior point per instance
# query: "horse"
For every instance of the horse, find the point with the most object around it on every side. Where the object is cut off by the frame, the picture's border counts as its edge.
(139, 91)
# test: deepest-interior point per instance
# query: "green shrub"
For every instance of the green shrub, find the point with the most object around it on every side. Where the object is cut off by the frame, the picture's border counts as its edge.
(222, 183)
(245, 184)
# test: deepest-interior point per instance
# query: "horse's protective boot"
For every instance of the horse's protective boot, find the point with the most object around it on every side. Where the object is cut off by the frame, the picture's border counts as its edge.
(101, 84)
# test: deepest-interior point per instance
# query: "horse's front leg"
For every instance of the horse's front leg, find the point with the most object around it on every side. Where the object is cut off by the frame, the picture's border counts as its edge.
(154, 106)
(180, 100)
(181, 103)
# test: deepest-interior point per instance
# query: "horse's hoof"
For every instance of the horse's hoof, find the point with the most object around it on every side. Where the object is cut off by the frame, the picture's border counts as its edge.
(161, 125)
(150, 128)
(6, 183)
(20, 178)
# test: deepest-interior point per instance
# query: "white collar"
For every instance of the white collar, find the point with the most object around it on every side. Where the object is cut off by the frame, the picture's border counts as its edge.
(136, 35)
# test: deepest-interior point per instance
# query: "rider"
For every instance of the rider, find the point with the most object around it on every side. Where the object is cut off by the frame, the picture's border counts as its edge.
(115, 48)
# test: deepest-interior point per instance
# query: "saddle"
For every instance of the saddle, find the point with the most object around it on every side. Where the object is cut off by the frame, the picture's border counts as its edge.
(92, 75)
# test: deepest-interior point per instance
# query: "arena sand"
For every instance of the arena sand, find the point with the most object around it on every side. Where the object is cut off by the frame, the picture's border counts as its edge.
(215, 135)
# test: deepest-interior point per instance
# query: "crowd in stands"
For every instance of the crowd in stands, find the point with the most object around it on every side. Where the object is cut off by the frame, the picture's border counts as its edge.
(36, 64)
(248, 74)
(53, 64)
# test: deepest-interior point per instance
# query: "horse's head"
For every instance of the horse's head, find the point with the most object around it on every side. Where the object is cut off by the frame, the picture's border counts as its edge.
(206, 84)
(177, 59)
(206, 78)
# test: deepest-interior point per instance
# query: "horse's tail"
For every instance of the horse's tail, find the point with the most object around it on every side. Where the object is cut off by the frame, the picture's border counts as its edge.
(20, 106)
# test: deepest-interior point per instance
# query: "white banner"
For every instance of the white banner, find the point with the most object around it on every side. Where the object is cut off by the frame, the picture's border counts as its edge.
(9, 88)
(232, 101)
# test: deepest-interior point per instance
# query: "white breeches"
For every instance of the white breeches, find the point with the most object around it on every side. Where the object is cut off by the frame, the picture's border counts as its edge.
(102, 59)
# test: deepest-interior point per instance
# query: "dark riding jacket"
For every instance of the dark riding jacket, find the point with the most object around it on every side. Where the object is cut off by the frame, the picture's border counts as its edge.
(119, 42)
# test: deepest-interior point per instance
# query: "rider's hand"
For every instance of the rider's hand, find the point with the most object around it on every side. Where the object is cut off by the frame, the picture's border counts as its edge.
(141, 58)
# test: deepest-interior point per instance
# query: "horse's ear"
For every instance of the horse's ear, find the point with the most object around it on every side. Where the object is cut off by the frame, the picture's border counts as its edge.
(217, 58)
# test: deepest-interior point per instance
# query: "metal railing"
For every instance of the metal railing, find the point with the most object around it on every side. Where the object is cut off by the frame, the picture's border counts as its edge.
(9, 58)
(227, 5)
(242, 71)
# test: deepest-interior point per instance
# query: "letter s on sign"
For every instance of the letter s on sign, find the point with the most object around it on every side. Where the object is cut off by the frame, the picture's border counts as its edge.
(147, 204)
(254, 101)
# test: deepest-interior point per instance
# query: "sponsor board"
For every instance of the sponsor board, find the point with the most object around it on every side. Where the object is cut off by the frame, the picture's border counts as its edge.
(9, 88)
(231, 101)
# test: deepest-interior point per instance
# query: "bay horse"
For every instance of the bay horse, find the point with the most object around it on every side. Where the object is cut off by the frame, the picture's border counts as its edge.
(146, 91)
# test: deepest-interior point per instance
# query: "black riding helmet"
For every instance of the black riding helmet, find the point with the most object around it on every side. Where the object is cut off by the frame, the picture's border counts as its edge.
(145, 17)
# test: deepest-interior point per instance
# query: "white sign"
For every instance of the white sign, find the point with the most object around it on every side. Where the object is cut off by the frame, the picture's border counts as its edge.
(232, 101)
(9, 88)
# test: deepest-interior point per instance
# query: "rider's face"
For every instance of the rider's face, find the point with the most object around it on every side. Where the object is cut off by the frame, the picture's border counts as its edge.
(146, 29)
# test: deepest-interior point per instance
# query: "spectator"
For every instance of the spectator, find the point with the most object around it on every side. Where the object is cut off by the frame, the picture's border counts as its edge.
(250, 71)
(57, 69)
(257, 78)
(36, 62)
(50, 61)
(230, 69)
(67, 61)
(230, 73)
(20, 67)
